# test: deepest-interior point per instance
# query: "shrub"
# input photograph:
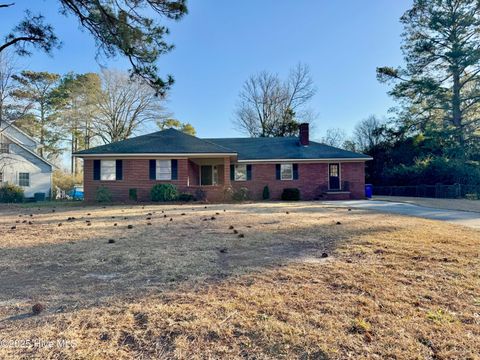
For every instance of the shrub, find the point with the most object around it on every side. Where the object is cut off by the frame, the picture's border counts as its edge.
(472, 196)
(64, 181)
(227, 193)
(103, 194)
(240, 194)
(432, 170)
(266, 193)
(11, 194)
(132, 194)
(291, 194)
(200, 194)
(164, 192)
(185, 197)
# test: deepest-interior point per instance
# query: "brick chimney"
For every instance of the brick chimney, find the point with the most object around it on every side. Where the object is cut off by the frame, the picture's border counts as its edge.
(304, 137)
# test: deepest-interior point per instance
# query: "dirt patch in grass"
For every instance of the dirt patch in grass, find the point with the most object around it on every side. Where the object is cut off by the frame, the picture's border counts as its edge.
(391, 287)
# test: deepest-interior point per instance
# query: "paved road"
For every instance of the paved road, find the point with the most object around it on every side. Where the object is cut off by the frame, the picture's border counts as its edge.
(466, 218)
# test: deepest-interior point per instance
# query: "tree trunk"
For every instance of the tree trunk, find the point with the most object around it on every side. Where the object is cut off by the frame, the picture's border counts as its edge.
(456, 107)
(42, 134)
(72, 158)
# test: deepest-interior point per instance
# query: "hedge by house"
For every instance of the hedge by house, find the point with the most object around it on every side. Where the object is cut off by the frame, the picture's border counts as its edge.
(164, 192)
(10, 193)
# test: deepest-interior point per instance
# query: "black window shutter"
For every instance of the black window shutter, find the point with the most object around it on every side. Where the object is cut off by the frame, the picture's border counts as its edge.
(118, 169)
(96, 169)
(295, 171)
(277, 171)
(232, 172)
(153, 169)
(174, 169)
(249, 172)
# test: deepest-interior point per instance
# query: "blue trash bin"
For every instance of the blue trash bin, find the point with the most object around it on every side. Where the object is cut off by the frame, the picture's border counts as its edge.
(368, 191)
(39, 196)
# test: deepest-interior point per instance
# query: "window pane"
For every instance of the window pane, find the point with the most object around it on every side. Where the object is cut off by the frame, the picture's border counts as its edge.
(240, 172)
(206, 175)
(4, 148)
(286, 172)
(164, 170)
(24, 179)
(334, 170)
(107, 170)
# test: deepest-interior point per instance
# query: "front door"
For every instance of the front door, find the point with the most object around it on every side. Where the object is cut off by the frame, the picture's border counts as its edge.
(334, 176)
(206, 175)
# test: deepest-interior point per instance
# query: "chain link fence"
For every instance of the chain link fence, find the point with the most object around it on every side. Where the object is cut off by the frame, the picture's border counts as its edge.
(455, 191)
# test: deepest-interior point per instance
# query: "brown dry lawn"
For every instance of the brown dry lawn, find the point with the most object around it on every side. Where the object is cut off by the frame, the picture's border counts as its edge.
(447, 204)
(391, 287)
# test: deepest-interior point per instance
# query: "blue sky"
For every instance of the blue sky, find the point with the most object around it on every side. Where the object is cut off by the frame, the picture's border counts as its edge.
(219, 44)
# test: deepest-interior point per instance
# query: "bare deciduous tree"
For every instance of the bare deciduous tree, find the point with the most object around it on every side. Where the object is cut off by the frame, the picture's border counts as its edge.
(123, 105)
(334, 137)
(7, 70)
(269, 106)
(367, 133)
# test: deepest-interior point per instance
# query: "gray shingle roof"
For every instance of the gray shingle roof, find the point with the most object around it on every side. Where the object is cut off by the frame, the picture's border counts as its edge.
(283, 148)
(168, 141)
(175, 142)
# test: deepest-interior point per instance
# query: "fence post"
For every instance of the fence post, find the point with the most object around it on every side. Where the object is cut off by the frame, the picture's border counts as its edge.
(458, 190)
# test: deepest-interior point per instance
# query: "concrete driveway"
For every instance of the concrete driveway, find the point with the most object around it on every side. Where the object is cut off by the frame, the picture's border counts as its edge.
(466, 218)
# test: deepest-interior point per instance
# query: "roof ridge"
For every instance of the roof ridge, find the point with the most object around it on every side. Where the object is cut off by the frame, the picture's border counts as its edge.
(252, 138)
(220, 146)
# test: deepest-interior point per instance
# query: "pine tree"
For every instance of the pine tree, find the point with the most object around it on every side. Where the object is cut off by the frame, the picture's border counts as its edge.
(440, 86)
(38, 91)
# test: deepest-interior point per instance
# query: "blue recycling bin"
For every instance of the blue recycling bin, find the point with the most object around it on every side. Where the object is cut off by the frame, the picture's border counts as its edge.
(368, 191)
(39, 196)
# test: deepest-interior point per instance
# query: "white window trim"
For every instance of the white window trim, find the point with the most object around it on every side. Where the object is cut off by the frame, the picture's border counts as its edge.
(339, 176)
(158, 168)
(235, 172)
(281, 172)
(103, 175)
(21, 179)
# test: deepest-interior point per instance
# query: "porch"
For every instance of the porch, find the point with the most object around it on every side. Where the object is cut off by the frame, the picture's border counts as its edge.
(208, 172)
(208, 178)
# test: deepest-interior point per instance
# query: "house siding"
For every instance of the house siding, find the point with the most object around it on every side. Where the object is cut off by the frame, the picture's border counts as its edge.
(18, 136)
(21, 161)
(312, 181)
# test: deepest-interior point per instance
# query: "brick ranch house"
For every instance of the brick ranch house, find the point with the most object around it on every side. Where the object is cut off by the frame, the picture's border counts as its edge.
(213, 165)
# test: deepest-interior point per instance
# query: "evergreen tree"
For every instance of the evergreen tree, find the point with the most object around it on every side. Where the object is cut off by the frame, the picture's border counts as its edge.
(176, 124)
(78, 111)
(440, 86)
(130, 28)
(38, 91)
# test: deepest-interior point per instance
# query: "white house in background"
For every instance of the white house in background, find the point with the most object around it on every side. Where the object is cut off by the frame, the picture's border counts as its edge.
(20, 163)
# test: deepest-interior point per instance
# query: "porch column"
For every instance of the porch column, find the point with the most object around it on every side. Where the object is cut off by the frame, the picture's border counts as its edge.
(226, 171)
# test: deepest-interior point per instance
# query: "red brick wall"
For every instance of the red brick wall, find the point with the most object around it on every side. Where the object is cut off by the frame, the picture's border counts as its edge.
(354, 173)
(313, 180)
(194, 173)
(136, 175)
